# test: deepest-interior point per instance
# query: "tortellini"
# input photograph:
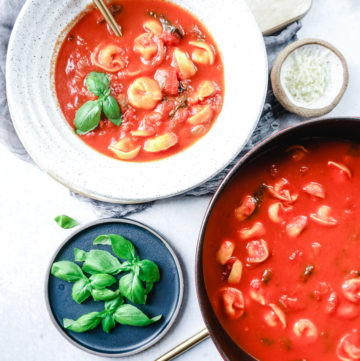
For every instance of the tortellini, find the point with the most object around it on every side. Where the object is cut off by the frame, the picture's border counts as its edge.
(144, 93)
(109, 57)
(203, 53)
(185, 66)
(125, 149)
(204, 114)
(160, 142)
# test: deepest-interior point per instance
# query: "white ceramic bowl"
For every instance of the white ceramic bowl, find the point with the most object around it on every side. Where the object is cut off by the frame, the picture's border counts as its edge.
(52, 144)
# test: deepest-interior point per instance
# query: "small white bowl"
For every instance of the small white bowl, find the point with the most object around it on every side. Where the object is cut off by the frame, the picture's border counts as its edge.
(53, 145)
(339, 78)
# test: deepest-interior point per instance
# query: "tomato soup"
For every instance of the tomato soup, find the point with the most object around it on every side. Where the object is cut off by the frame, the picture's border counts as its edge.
(146, 95)
(281, 254)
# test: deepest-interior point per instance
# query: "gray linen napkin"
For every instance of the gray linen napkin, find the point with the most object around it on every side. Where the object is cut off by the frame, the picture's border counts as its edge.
(267, 125)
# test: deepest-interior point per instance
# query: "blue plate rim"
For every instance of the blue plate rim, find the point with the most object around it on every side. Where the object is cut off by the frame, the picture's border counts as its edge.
(173, 317)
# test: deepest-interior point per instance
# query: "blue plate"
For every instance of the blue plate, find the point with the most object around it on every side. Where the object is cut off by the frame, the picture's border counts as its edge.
(165, 298)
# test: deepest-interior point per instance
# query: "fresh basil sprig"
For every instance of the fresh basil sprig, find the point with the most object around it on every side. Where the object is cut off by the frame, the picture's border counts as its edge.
(88, 116)
(84, 287)
(114, 310)
(102, 265)
(65, 221)
(147, 271)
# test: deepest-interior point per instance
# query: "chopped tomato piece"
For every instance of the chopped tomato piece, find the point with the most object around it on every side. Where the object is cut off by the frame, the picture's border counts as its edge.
(322, 216)
(168, 81)
(290, 304)
(347, 311)
(314, 189)
(322, 289)
(179, 118)
(332, 303)
(348, 348)
(246, 208)
(233, 302)
(170, 39)
(305, 330)
(351, 289)
(296, 226)
(225, 251)
(258, 251)
(256, 231)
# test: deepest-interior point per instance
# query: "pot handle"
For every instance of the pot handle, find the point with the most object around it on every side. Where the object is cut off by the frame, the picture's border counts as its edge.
(184, 346)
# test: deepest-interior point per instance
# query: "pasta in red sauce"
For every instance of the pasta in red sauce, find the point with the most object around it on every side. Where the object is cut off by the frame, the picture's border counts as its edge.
(165, 73)
(281, 254)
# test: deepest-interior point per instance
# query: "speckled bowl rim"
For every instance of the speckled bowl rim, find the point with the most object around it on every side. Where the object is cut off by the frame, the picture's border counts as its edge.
(280, 93)
(188, 175)
(173, 317)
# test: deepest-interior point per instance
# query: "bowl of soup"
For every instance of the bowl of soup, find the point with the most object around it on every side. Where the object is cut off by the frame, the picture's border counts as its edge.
(144, 116)
(278, 272)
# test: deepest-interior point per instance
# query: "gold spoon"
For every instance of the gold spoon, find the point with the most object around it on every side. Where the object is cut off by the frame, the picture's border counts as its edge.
(108, 17)
(184, 346)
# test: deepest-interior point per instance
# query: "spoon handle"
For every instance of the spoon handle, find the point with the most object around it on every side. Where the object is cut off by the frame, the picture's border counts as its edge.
(108, 17)
(184, 346)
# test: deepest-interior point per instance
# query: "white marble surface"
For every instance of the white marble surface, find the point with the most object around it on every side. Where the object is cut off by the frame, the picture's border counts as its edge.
(29, 200)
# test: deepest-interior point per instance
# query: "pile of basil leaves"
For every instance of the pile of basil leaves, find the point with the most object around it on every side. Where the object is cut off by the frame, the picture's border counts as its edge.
(101, 267)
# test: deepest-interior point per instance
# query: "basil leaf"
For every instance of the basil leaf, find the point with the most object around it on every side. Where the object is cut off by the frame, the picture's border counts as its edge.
(149, 287)
(67, 271)
(102, 280)
(112, 305)
(65, 221)
(84, 323)
(80, 291)
(98, 261)
(104, 295)
(130, 315)
(112, 110)
(80, 255)
(108, 323)
(149, 271)
(97, 83)
(122, 247)
(132, 288)
(87, 116)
